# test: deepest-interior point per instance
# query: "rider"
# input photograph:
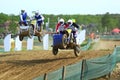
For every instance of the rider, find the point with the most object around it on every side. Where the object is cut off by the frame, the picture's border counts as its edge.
(40, 20)
(23, 17)
(60, 27)
(72, 25)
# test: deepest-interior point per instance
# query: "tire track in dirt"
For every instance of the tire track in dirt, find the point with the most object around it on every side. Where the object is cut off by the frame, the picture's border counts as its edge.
(26, 65)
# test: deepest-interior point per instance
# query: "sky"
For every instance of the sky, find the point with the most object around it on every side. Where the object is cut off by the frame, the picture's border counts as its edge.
(60, 6)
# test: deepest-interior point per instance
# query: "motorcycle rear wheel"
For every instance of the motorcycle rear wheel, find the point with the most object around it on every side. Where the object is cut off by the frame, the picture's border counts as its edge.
(77, 50)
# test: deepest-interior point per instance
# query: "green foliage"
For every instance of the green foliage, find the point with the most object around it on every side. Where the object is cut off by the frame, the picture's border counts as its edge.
(93, 22)
(14, 23)
(84, 43)
(110, 21)
(12, 17)
(91, 46)
(13, 27)
(2, 29)
(80, 19)
(3, 18)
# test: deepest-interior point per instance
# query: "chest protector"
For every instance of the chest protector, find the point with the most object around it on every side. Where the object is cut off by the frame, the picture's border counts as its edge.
(71, 27)
(61, 27)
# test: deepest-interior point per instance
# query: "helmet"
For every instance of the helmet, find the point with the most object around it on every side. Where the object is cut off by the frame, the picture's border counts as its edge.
(61, 21)
(37, 12)
(70, 21)
(22, 10)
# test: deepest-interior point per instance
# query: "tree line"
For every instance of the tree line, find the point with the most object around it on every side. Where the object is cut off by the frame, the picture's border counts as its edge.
(98, 22)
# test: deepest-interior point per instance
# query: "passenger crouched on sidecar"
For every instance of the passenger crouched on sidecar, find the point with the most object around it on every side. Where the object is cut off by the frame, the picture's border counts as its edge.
(60, 27)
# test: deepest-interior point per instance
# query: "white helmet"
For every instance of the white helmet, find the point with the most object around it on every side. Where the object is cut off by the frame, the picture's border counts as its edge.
(61, 20)
(37, 12)
(70, 21)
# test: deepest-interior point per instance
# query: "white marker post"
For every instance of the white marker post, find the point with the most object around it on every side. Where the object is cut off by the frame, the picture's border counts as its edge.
(46, 42)
(7, 43)
(30, 43)
(18, 44)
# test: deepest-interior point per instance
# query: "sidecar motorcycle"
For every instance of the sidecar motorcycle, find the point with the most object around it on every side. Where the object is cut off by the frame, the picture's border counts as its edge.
(30, 30)
(61, 41)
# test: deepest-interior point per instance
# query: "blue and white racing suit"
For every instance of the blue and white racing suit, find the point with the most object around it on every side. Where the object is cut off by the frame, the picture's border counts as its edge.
(23, 18)
(39, 19)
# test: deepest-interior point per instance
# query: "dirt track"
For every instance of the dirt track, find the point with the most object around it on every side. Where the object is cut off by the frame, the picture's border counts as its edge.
(27, 65)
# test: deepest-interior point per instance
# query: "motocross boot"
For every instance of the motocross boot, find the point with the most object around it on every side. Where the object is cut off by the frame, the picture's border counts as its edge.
(39, 29)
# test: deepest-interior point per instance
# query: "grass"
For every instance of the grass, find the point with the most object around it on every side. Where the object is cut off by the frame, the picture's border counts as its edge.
(84, 43)
(91, 46)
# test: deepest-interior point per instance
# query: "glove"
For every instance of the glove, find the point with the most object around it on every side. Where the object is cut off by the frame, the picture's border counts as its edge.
(57, 31)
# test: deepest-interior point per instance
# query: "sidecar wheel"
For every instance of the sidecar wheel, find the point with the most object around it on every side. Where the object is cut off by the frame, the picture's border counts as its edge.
(64, 41)
(55, 51)
(21, 37)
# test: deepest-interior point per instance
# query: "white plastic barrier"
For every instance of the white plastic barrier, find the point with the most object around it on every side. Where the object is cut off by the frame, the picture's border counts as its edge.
(30, 43)
(18, 44)
(7, 43)
(46, 42)
(81, 36)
